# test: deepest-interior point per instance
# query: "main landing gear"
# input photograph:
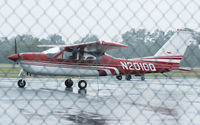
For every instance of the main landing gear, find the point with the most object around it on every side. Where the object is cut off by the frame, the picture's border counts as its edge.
(128, 77)
(82, 84)
(119, 77)
(68, 83)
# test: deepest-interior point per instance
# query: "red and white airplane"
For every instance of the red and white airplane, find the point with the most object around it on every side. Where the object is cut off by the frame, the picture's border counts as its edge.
(90, 59)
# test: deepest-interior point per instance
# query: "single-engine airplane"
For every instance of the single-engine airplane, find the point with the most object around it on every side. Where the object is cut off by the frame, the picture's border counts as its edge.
(90, 59)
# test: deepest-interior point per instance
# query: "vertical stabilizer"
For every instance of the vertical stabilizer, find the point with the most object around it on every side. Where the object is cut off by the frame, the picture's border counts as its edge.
(176, 45)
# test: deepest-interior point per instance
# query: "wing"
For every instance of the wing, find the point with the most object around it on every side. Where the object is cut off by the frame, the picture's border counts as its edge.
(99, 46)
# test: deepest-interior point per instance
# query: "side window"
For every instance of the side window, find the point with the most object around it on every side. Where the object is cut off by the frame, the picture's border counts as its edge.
(67, 55)
(89, 57)
(60, 56)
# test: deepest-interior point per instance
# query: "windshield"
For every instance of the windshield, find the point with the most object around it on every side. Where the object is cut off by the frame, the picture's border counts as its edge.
(109, 55)
(52, 52)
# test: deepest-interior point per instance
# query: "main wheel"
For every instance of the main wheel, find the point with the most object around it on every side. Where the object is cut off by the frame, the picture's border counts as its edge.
(68, 83)
(119, 77)
(21, 83)
(128, 77)
(82, 84)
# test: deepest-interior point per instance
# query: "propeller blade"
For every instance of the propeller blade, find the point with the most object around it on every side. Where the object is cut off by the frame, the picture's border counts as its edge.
(15, 46)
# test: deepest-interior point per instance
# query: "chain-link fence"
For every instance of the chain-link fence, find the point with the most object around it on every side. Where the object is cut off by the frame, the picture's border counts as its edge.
(144, 65)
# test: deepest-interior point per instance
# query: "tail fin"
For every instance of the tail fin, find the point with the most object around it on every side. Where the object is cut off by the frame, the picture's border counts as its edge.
(176, 45)
(172, 51)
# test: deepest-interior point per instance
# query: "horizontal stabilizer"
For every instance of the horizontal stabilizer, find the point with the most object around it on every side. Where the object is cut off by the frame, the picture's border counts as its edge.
(181, 69)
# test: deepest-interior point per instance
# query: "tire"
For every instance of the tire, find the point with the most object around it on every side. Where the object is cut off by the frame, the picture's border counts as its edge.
(68, 83)
(21, 83)
(82, 84)
(119, 77)
(128, 77)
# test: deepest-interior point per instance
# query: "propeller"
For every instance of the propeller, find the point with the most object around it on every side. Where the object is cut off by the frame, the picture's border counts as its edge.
(15, 46)
(15, 51)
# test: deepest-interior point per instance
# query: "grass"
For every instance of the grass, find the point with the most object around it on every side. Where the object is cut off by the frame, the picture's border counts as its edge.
(192, 74)
(11, 71)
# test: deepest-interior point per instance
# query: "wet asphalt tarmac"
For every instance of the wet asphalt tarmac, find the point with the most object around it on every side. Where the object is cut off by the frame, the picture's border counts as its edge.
(105, 101)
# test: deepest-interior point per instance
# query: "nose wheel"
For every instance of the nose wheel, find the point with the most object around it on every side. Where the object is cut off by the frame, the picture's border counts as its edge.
(21, 83)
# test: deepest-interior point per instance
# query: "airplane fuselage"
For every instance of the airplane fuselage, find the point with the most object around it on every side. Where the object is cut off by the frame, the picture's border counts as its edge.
(40, 64)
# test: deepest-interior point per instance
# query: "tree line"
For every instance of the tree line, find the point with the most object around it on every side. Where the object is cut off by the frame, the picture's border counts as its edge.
(140, 43)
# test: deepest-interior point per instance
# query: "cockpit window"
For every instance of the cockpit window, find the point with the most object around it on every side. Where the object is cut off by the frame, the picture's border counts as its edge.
(52, 52)
(109, 55)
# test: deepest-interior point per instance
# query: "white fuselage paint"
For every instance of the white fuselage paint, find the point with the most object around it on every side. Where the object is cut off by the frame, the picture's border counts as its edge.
(58, 71)
(64, 70)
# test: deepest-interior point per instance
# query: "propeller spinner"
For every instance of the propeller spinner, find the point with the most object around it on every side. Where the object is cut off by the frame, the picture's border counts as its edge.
(15, 56)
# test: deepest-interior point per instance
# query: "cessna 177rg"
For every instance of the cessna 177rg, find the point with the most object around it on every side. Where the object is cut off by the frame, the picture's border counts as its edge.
(90, 59)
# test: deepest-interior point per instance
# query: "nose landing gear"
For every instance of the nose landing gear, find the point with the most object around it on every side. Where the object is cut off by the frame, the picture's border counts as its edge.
(21, 83)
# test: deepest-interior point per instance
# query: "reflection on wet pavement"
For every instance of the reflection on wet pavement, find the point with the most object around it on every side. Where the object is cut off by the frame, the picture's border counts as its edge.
(83, 118)
(114, 102)
(159, 109)
(82, 92)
